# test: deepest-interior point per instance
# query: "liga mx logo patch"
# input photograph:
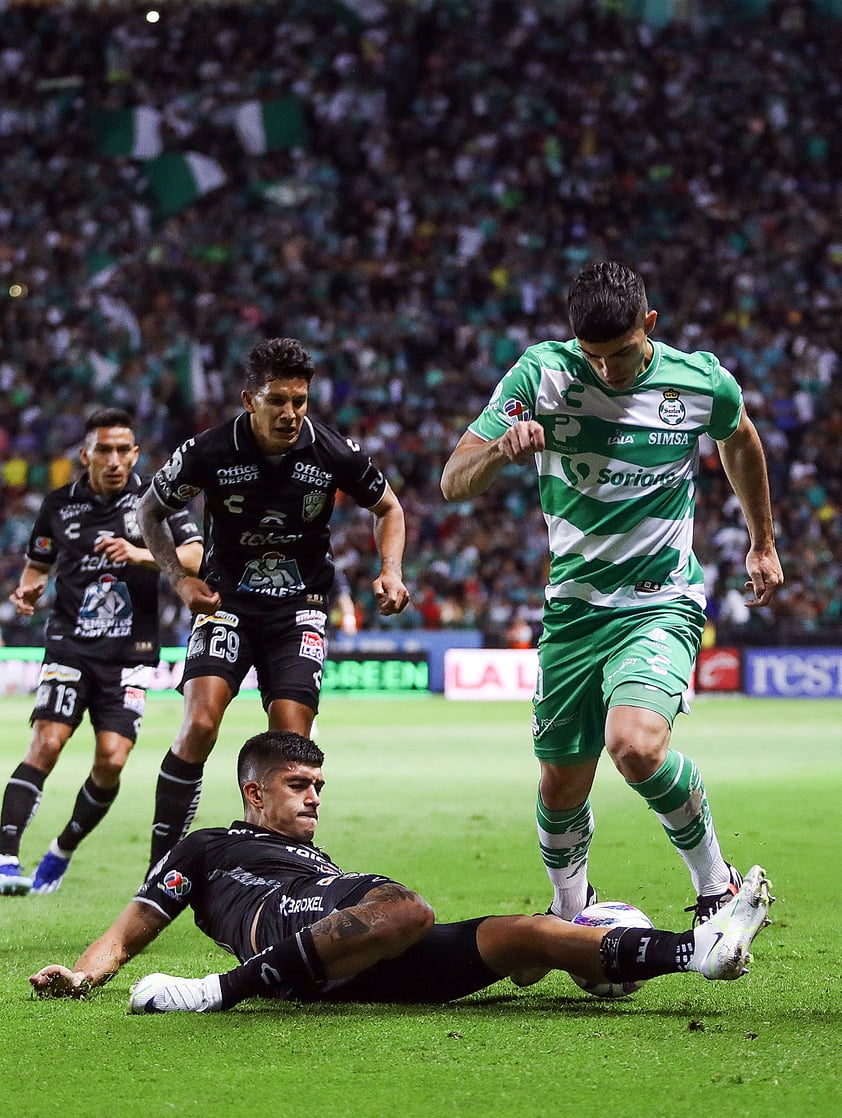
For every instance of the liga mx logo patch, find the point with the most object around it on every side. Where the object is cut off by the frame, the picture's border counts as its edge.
(672, 411)
(515, 412)
(176, 884)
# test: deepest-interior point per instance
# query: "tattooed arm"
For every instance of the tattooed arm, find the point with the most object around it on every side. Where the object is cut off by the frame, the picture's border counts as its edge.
(388, 920)
(194, 592)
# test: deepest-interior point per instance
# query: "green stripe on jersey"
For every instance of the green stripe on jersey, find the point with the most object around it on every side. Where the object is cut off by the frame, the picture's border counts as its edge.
(617, 477)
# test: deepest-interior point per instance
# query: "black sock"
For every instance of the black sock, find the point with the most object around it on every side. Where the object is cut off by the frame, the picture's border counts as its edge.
(290, 965)
(633, 954)
(91, 807)
(176, 800)
(20, 802)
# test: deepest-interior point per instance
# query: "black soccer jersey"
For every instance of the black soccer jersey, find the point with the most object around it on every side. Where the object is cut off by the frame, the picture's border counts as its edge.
(225, 876)
(267, 518)
(103, 610)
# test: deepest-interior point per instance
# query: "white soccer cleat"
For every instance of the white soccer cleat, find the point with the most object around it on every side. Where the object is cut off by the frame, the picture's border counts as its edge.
(722, 942)
(166, 993)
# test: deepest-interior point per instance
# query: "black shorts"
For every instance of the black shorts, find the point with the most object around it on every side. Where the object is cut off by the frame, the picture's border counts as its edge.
(303, 901)
(444, 965)
(113, 694)
(283, 641)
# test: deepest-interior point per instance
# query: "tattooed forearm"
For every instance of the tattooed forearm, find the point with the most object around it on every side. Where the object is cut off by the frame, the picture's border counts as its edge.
(158, 538)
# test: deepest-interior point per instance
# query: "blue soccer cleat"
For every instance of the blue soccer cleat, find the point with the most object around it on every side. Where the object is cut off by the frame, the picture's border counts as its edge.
(13, 881)
(48, 876)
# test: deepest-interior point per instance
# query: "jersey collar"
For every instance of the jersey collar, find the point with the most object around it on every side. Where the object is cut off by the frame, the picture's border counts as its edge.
(245, 442)
(82, 489)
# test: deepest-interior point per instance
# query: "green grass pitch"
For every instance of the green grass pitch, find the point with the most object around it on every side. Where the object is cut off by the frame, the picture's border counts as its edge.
(440, 795)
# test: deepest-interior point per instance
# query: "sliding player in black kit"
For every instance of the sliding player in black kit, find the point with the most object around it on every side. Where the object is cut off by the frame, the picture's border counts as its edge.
(304, 929)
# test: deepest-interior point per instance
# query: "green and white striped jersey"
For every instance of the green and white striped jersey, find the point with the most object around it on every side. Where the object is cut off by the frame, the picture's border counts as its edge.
(617, 480)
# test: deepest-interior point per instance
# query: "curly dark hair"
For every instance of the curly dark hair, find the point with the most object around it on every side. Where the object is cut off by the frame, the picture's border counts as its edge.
(277, 359)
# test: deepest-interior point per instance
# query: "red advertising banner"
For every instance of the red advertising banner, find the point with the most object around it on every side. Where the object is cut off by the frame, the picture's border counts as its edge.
(719, 669)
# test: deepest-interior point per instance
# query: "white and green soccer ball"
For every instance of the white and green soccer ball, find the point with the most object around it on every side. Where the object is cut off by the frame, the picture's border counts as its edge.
(610, 914)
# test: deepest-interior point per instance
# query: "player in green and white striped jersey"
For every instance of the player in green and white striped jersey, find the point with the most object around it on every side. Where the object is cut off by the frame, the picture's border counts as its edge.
(612, 421)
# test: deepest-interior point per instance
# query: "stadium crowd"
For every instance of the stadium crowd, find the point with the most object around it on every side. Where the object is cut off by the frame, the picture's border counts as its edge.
(444, 170)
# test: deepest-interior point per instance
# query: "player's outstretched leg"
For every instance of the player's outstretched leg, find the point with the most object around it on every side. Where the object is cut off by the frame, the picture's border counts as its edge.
(723, 942)
(165, 993)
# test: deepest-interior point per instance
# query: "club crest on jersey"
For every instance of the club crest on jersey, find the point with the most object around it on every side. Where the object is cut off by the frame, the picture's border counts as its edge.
(312, 505)
(42, 543)
(175, 884)
(672, 411)
(515, 412)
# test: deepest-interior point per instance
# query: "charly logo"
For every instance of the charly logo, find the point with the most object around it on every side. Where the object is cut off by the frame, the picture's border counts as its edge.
(672, 411)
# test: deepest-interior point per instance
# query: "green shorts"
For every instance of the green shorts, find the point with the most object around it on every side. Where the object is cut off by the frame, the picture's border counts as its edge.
(591, 658)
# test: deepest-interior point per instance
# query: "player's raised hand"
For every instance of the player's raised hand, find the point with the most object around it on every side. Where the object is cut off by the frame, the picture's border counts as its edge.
(24, 597)
(56, 981)
(522, 440)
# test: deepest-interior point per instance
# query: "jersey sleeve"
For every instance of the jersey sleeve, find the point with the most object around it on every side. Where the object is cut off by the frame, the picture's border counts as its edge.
(184, 528)
(171, 883)
(359, 477)
(512, 401)
(42, 546)
(182, 476)
(727, 404)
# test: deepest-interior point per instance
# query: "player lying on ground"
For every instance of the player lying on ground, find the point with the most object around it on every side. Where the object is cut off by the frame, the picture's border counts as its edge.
(304, 929)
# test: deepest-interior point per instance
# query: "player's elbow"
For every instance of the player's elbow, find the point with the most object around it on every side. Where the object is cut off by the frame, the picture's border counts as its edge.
(449, 485)
(409, 919)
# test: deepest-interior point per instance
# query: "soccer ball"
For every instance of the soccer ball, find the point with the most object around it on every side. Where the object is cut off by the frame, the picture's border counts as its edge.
(610, 914)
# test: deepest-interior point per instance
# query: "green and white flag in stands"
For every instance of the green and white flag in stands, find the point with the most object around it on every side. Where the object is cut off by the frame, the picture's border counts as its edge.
(271, 125)
(101, 369)
(177, 179)
(133, 132)
(185, 360)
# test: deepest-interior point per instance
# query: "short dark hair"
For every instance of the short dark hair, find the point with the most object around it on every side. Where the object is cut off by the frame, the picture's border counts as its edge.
(273, 748)
(278, 359)
(108, 417)
(606, 300)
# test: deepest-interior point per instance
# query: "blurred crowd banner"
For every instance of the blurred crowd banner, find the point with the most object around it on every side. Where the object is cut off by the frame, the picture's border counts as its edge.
(349, 673)
(785, 673)
(418, 663)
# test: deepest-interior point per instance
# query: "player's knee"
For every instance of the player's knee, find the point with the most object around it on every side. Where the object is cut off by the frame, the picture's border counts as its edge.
(108, 766)
(46, 746)
(197, 734)
(635, 749)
